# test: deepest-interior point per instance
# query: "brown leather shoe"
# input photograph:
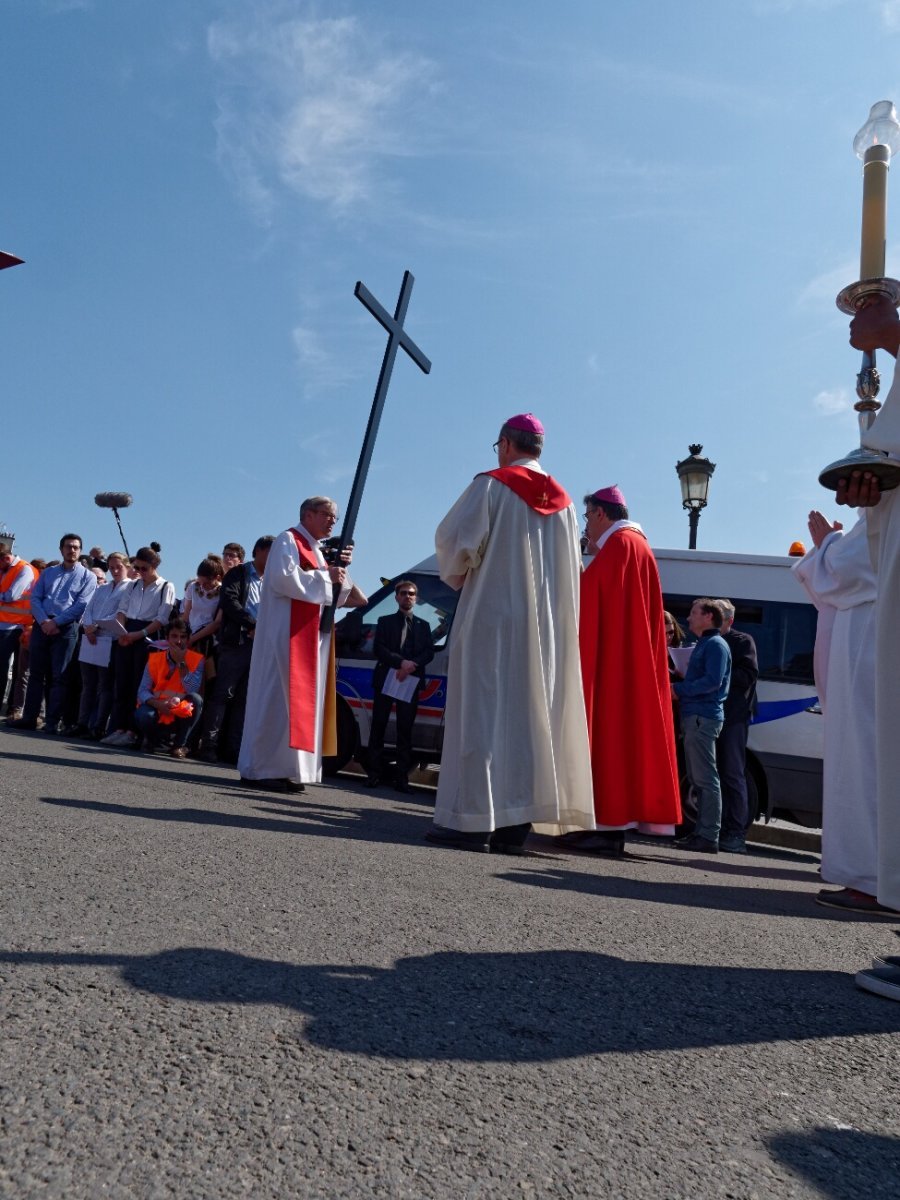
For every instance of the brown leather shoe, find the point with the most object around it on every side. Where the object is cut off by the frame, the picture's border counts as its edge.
(179, 751)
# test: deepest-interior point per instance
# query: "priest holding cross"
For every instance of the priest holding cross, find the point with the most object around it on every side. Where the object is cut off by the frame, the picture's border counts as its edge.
(515, 741)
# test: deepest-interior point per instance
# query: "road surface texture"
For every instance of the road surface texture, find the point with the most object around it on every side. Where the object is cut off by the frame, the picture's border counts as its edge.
(210, 992)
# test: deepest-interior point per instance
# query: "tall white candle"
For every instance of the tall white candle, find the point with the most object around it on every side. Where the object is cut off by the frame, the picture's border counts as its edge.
(876, 165)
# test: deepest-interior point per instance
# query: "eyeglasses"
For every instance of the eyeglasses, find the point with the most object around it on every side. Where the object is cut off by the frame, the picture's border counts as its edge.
(142, 567)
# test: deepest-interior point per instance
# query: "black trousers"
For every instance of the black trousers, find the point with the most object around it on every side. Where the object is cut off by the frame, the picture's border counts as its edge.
(731, 759)
(127, 663)
(406, 715)
(230, 687)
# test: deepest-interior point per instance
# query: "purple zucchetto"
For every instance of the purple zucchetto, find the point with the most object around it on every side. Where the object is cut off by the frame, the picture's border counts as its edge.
(610, 495)
(525, 423)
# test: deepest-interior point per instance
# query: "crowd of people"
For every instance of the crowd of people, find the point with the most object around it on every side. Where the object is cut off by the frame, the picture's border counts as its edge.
(77, 636)
(578, 734)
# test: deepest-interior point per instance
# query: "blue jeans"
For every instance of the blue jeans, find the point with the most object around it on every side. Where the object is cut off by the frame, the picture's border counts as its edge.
(700, 735)
(50, 659)
(147, 721)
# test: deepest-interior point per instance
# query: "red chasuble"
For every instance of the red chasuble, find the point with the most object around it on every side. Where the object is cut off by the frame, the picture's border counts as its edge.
(624, 665)
(304, 659)
(540, 492)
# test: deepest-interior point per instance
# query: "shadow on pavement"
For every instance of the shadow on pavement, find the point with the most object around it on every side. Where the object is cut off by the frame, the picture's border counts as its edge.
(730, 897)
(137, 766)
(842, 1164)
(518, 1007)
(323, 820)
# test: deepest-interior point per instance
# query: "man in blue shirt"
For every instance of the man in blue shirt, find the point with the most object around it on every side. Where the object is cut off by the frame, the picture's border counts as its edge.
(58, 599)
(701, 696)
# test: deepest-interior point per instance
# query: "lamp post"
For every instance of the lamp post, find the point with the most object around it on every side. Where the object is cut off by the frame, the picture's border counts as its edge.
(694, 474)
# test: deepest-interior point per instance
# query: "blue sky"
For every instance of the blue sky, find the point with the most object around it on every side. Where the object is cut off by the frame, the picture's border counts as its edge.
(631, 219)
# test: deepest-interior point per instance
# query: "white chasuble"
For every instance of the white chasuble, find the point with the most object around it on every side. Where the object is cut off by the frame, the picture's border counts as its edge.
(515, 738)
(266, 751)
(839, 578)
(884, 543)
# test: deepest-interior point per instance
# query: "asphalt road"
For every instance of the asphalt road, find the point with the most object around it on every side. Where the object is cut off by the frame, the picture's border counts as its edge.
(208, 992)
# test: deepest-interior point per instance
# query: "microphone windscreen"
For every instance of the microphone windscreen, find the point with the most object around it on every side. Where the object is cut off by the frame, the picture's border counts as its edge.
(112, 499)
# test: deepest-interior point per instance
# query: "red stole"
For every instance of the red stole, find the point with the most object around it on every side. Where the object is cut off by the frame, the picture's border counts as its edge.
(303, 671)
(540, 492)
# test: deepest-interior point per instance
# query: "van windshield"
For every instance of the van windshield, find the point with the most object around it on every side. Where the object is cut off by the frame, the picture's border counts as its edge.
(436, 604)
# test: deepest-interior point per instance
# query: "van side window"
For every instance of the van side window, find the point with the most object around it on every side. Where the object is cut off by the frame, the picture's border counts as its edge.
(436, 604)
(785, 634)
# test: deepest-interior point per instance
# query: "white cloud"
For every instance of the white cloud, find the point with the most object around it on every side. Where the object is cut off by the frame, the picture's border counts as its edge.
(833, 403)
(890, 15)
(320, 369)
(318, 107)
(823, 288)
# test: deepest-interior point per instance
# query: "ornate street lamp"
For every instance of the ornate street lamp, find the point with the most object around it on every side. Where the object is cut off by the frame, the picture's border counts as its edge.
(694, 475)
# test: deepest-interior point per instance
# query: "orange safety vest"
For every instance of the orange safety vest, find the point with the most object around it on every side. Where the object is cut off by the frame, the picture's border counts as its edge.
(16, 612)
(166, 682)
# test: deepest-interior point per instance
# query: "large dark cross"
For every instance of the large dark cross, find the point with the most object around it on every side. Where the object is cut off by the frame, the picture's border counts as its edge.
(397, 337)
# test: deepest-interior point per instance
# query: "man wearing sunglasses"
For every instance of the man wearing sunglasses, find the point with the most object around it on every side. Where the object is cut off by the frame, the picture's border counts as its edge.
(403, 647)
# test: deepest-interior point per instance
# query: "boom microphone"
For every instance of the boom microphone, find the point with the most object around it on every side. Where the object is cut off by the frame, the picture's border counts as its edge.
(113, 499)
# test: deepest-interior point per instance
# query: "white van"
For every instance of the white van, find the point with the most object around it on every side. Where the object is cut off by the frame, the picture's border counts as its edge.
(784, 752)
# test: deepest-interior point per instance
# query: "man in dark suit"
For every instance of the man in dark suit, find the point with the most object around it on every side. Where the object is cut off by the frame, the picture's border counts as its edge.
(731, 744)
(403, 647)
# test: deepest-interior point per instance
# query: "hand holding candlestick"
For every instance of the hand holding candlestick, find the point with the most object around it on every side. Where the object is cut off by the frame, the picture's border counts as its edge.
(875, 143)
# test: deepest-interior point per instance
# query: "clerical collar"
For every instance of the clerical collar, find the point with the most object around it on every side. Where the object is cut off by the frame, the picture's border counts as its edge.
(531, 463)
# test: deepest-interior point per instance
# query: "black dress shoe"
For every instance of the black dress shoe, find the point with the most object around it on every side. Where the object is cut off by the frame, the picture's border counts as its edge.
(698, 844)
(608, 843)
(402, 786)
(510, 839)
(455, 840)
(371, 781)
(293, 788)
(265, 785)
(23, 724)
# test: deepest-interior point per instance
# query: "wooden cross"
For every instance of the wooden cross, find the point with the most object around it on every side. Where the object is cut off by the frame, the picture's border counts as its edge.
(397, 338)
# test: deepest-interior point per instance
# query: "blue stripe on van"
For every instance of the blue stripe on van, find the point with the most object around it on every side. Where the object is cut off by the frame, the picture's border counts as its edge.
(775, 710)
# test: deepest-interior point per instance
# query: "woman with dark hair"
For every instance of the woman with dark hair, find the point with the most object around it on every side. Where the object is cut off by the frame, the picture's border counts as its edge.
(144, 613)
(674, 638)
(201, 604)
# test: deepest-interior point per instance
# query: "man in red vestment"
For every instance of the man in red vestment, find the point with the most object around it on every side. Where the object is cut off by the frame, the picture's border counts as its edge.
(626, 681)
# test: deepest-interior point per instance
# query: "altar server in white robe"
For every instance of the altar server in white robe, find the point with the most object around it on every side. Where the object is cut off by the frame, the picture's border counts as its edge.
(877, 327)
(515, 739)
(281, 748)
(838, 576)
